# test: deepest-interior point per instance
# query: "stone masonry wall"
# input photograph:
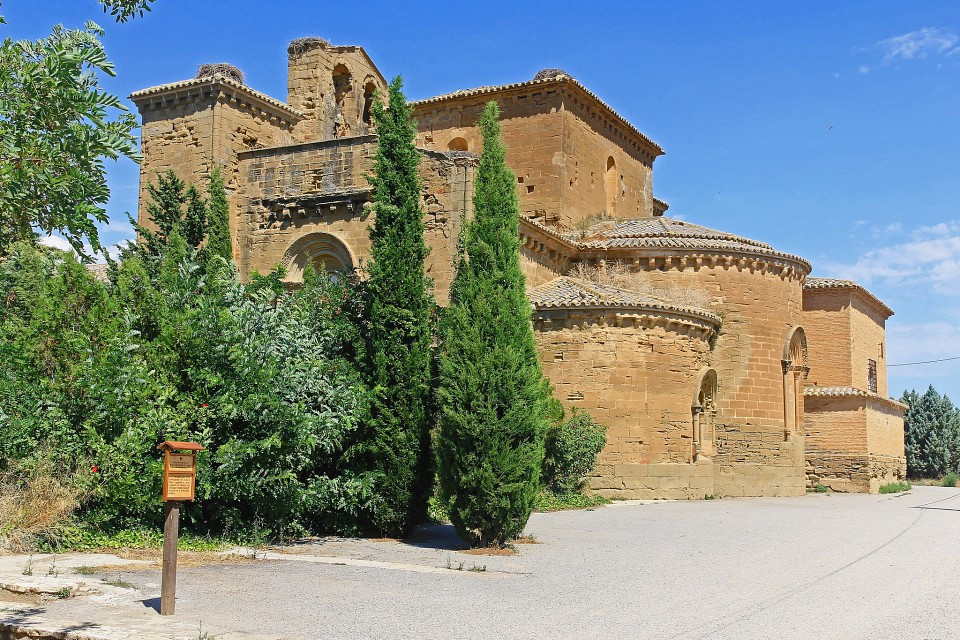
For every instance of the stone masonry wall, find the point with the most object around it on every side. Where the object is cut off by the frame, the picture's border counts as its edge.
(193, 133)
(868, 341)
(589, 140)
(558, 146)
(826, 319)
(638, 380)
(320, 188)
(854, 443)
(331, 109)
(759, 303)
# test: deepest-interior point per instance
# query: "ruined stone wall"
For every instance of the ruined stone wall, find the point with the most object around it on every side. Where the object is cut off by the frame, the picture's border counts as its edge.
(868, 342)
(303, 190)
(194, 132)
(636, 378)
(331, 86)
(590, 143)
(827, 322)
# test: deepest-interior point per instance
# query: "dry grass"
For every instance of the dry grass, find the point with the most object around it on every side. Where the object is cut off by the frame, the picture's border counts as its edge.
(490, 551)
(184, 559)
(36, 503)
(617, 273)
(526, 539)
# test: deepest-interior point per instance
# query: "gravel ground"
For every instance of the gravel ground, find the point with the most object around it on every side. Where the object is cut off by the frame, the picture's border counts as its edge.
(820, 566)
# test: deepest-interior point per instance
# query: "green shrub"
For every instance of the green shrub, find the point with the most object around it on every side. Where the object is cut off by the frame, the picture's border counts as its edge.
(101, 373)
(819, 488)
(548, 500)
(571, 451)
(950, 480)
(895, 487)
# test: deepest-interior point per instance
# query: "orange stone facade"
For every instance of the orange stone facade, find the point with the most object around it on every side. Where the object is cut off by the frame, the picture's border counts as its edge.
(694, 346)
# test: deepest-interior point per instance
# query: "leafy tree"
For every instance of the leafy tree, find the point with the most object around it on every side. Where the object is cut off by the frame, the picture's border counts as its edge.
(218, 218)
(56, 131)
(931, 434)
(123, 10)
(493, 400)
(393, 447)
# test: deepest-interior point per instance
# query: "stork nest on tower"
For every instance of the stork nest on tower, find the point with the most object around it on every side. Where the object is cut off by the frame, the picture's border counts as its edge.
(220, 69)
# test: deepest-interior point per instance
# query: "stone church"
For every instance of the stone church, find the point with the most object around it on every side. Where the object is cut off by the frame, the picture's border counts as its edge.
(720, 367)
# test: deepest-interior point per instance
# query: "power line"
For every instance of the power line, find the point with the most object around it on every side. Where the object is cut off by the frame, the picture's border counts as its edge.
(907, 364)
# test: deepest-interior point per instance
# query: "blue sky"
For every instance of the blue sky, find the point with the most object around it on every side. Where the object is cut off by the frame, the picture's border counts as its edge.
(829, 129)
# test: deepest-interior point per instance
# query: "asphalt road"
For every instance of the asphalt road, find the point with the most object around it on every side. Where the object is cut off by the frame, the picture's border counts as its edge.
(815, 567)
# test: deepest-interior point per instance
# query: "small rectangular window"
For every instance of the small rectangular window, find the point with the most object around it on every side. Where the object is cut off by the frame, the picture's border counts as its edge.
(872, 375)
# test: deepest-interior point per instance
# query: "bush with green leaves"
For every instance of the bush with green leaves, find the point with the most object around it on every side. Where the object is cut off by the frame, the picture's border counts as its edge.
(571, 451)
(949, 480)
(103, 372)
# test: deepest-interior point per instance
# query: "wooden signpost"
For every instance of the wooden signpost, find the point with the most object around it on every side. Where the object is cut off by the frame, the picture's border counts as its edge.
(179, 484)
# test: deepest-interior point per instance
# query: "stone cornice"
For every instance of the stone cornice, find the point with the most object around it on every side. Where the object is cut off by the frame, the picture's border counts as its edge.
(216, 87)
(562, 250)
(561, 80)
(623, 316)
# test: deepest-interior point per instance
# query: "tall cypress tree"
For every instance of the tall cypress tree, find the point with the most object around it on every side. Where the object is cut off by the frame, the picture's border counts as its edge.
(393, 447)
(218, 220)
(492, 398)
(195, 219)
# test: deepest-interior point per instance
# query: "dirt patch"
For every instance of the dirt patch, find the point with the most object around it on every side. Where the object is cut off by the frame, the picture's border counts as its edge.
(185, 559)
(19, 598)
(490, 551)
(526, 540)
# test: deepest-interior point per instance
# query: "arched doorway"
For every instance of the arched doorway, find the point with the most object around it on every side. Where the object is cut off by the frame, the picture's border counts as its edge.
(326, 252)
(458, 144)
(795, 371)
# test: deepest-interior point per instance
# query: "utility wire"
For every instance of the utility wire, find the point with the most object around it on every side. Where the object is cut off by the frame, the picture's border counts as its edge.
(907, 364)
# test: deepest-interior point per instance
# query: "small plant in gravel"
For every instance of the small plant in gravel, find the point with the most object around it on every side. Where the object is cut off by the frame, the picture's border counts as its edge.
(63, 593)
(895, 487)
(86, 570)
(819, 488)
(949, 480)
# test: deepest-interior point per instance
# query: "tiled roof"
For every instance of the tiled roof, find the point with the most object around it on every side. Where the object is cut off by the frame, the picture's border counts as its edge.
(570, 293)
(284, 108)
(560, 78)
(665, 233)
(836, 283)
(848, 392)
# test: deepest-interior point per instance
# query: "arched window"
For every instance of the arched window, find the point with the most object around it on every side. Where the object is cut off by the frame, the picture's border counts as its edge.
(795, 371)
(326, 252)
(610, 184)
(704, 411)
(457, 144)
(342, 88)
(368, 91)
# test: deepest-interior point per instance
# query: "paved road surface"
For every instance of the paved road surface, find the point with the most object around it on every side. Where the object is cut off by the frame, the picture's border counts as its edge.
(816, 567)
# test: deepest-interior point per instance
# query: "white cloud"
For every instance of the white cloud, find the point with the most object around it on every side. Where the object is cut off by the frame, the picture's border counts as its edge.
(928, 259)
(57, 243)
(863, 69)
(919, 44)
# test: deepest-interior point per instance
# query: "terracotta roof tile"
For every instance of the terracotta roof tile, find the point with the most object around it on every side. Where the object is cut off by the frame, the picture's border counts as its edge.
(816, 391)
(664, 233)
(570, 293)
